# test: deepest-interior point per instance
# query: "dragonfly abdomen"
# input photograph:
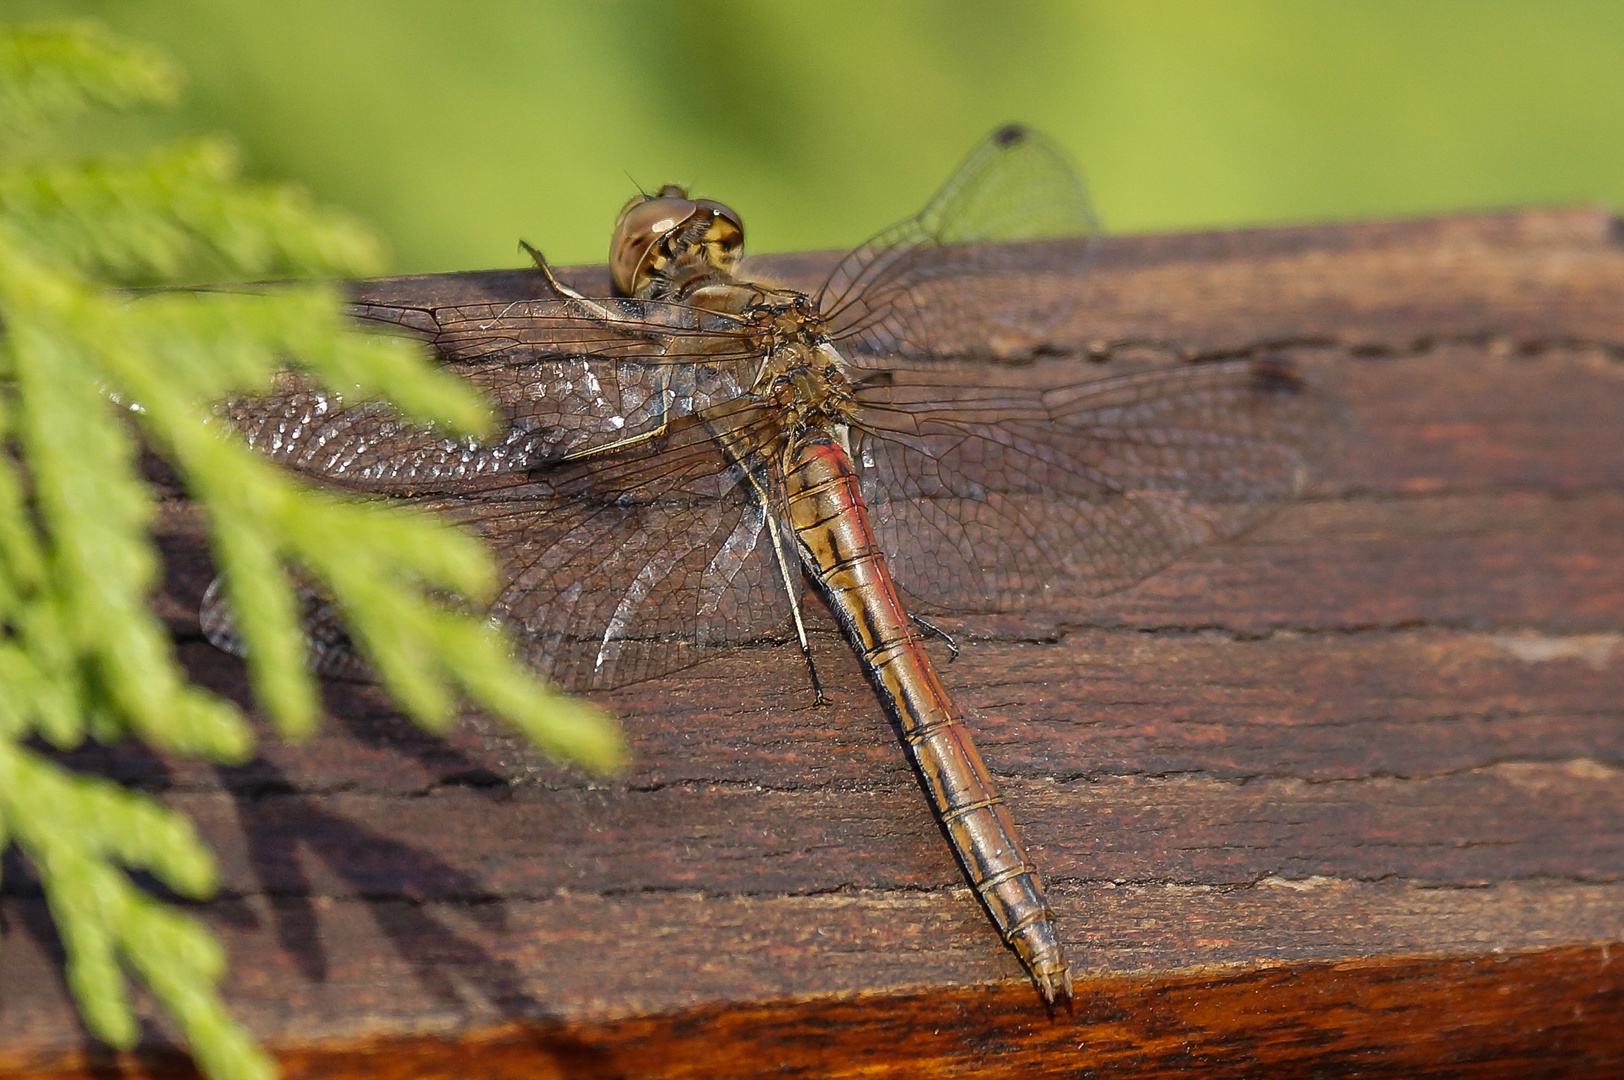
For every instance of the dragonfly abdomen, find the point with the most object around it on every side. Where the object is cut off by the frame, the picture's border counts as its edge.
(830, 520)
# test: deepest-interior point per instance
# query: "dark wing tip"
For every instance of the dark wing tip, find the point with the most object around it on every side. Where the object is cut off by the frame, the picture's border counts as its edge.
(1277, 375)
(1010, 134)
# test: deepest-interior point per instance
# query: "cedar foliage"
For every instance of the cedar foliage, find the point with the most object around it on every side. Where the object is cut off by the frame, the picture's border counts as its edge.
(87, 375)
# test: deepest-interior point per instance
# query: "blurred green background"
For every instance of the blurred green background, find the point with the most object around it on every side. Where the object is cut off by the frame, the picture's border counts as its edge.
(456, 128)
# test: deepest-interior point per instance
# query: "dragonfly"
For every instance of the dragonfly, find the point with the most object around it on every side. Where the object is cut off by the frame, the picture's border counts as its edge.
(680, 462)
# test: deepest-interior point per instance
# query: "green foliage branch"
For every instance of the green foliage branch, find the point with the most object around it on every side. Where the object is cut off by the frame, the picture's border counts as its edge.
(89, 373)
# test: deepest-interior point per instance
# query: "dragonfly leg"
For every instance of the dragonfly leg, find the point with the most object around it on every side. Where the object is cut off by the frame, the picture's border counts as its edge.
(795, 608)
(592, 308)
(618, 444)
(631, 440)
(936, 631)
(547, 272)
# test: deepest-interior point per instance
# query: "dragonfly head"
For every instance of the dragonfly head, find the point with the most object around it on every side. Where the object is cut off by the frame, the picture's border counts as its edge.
(666, 240)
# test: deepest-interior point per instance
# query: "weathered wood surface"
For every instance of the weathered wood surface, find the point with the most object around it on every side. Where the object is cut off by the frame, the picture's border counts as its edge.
(1346, 795)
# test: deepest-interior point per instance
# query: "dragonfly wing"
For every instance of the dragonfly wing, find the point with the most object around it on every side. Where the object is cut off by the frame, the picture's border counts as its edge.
(993, 497)
(562, 382)
(329, 650)
(952, 260)
(634, 564)
(616, 567)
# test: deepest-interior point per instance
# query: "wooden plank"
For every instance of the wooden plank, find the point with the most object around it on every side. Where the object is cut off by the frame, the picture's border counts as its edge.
(1344, 795)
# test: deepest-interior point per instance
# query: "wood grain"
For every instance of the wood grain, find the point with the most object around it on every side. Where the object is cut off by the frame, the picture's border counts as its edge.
(1343, 797)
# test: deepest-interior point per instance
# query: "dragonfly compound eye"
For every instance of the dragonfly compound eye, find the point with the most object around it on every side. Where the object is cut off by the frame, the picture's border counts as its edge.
(655, 231)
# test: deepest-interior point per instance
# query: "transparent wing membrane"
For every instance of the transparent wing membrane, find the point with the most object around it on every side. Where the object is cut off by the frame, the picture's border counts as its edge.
(989, 498)
(900, 294)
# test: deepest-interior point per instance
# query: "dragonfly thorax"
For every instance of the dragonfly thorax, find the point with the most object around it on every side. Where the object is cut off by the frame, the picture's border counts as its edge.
(808, 382)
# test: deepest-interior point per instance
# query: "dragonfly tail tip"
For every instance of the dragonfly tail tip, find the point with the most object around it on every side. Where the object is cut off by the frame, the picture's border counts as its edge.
(1054, 985)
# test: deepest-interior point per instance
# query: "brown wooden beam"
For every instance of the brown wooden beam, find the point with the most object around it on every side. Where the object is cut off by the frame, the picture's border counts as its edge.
(1343, 796)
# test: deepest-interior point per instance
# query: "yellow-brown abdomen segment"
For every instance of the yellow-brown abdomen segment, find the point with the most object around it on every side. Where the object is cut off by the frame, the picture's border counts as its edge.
(830, 520)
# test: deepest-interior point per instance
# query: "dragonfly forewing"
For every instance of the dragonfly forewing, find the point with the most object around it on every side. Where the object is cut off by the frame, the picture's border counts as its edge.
(550, 408)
